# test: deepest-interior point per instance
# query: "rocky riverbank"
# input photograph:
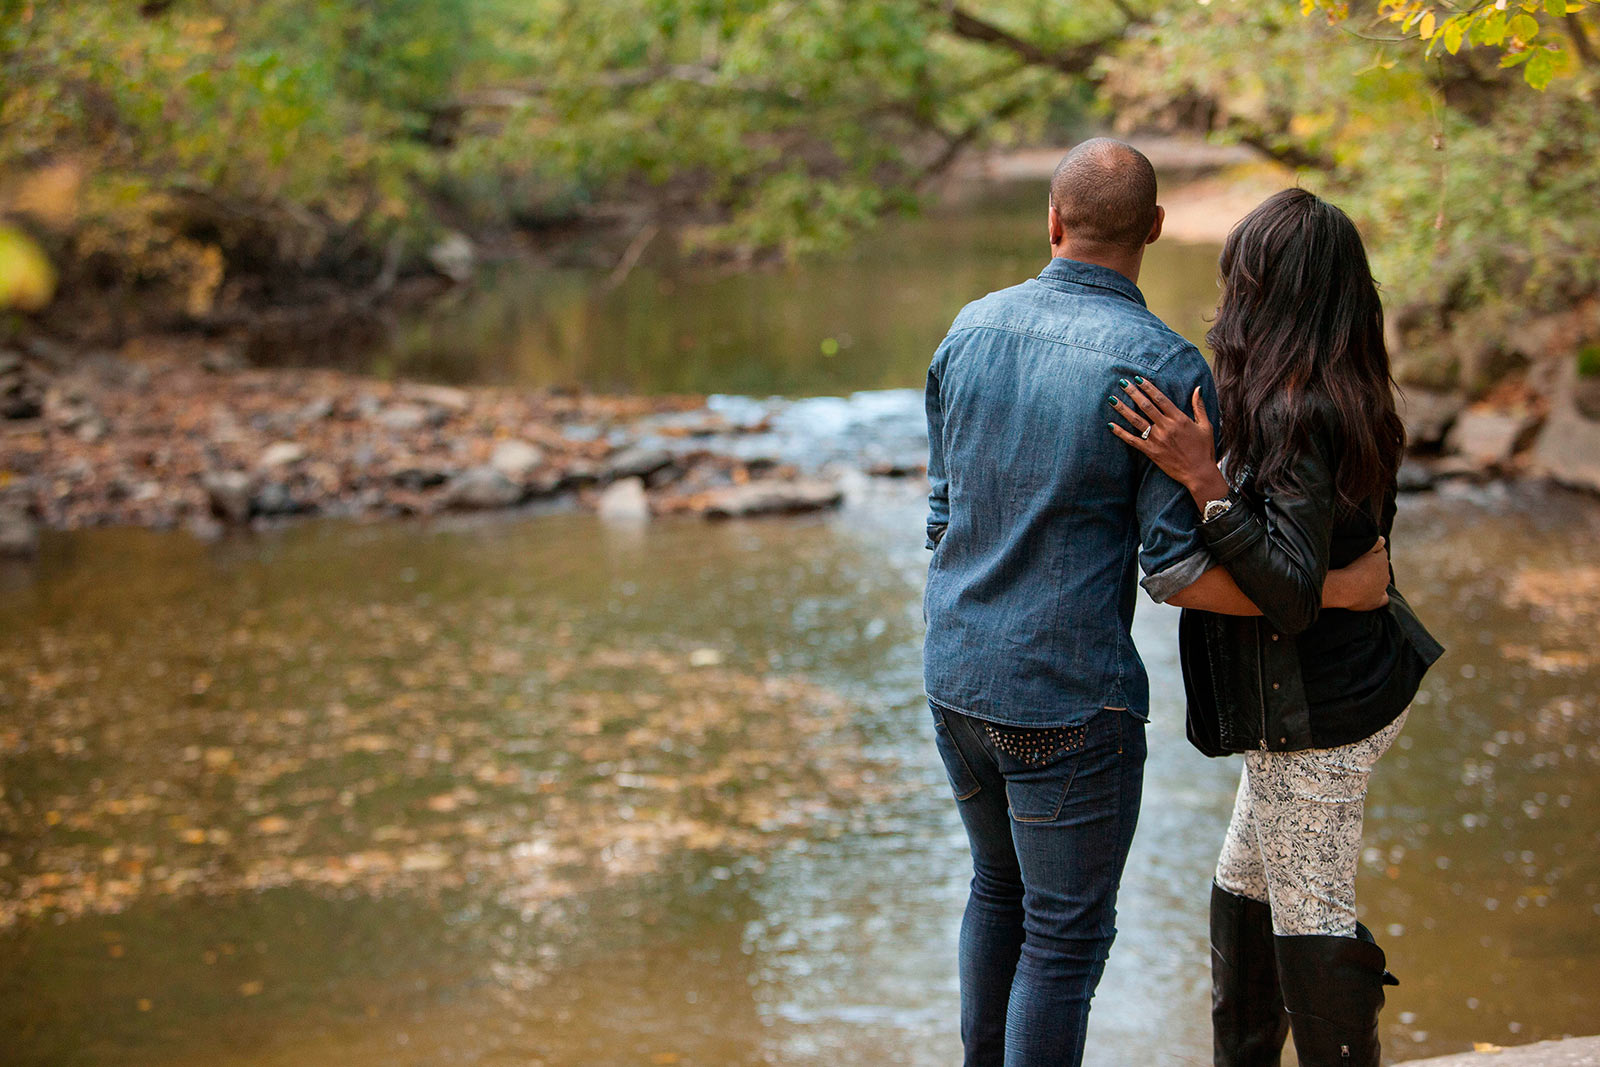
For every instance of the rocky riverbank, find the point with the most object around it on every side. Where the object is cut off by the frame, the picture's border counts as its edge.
(185, 435)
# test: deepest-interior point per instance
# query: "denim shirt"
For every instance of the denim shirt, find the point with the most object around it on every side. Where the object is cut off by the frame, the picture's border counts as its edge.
(1037, 513)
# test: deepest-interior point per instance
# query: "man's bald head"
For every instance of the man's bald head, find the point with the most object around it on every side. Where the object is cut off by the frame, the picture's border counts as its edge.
(1104, 192)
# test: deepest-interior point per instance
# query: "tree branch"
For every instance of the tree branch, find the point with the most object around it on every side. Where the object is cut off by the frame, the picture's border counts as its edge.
(1580, 39)
(1253, 135)
(1075, 61)
(960, 142)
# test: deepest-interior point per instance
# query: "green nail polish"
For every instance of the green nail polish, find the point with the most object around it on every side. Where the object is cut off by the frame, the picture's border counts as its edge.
(1122, 382)
(1113, 400)
(1138, 379)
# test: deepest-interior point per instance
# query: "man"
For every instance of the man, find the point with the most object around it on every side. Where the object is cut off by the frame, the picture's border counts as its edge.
(1037, 518)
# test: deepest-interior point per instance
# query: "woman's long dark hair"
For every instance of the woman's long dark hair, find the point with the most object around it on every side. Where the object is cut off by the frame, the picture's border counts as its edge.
(1298, 340)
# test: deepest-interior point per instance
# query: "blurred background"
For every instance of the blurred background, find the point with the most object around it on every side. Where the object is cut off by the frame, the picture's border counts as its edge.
(374, 684)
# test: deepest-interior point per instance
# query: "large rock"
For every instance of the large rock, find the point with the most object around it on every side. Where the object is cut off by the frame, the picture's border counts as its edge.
(624, 501)
(772, 497)
(441, 396)
(1489, 438)
(19, 534)
(636, 463)
(1568, 450)
(229, 493)
(1428, 416)
(281, 454)
(404, 418)
(454, 257)
(1568, 1052)
(275, 498)
(516, 459)
(481, 489)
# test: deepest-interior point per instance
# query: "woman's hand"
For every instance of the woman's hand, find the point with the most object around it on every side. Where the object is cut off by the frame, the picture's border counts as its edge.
(1179, 445)
(1363, 585)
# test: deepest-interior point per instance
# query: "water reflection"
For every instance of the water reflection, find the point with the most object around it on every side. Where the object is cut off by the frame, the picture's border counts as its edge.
(667, 797)
(868, 319)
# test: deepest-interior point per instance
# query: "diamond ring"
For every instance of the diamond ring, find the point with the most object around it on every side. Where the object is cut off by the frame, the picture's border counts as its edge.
(1146, 435)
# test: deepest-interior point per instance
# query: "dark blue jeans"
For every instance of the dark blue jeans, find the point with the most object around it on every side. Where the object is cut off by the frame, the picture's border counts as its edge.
(1049, 815)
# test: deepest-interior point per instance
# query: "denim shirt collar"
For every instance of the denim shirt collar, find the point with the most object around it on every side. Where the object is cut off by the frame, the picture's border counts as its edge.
(1072, 271)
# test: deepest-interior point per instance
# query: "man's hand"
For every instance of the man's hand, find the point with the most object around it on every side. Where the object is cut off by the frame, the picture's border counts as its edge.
(1362, 586)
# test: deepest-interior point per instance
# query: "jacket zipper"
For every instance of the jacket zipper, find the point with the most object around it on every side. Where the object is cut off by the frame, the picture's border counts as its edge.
(1261, 688)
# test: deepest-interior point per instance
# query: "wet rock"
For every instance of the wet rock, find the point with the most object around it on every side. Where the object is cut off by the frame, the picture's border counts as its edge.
(1428, 416)
(229, 494)
(274, 499)
(19, 534)
(316, 409)
(404, 418)
(419, 477)
(579, 473)
(481, 488)
(624, 501)
(281, 454)
(636, 463)
(20, 403)
(888, 469)
(1490, 438)
(1416, 476)
(221, 359)
(1568, 450)
(771, 497)
(454, 257)
(204, 528)
(441, 396)
(516, 459)
(21, 392)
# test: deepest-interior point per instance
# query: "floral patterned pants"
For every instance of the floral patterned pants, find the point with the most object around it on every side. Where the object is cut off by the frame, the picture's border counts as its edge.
(1295, 838)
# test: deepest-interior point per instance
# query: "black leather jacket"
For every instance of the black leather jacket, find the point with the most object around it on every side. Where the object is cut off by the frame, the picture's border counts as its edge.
(1243, 676)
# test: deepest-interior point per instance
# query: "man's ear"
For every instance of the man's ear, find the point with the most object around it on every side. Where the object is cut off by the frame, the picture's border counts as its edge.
(1058, 232)
(1155, 230)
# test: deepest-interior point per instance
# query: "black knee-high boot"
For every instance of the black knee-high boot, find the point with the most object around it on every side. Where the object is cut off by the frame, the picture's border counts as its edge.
(1333, 990)
(1248, 1023)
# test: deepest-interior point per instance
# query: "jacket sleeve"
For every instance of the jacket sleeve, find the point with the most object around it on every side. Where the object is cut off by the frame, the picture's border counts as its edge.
(938, 477)
(1277, 552)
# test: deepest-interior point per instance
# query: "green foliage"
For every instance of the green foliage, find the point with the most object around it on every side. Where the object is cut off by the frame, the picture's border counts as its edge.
(1528, 33)
(1589, 361)
(220, 139)
(1475, 194)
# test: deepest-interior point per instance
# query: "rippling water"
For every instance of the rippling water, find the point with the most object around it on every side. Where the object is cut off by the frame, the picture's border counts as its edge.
(747, 693)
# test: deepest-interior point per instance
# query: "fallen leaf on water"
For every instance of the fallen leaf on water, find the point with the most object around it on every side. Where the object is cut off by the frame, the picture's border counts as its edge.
(250, 989)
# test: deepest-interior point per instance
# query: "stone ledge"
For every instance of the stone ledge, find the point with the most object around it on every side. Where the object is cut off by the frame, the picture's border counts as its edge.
(1570, 1052)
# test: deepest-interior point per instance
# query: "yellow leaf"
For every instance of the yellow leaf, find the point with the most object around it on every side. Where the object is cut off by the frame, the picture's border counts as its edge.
(1426, 28)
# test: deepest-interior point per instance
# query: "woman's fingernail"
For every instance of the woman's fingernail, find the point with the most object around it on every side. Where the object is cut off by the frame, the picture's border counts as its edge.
(1138, 379)
(1113, 400)
(1122, 382)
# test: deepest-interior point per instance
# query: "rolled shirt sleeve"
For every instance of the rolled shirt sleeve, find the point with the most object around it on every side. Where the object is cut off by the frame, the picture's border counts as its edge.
(1172, 552)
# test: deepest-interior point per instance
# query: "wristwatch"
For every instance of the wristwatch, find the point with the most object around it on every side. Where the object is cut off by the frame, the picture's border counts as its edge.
(1215, 508)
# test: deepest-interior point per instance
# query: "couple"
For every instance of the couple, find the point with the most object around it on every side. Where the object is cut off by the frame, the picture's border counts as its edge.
(1296, 649)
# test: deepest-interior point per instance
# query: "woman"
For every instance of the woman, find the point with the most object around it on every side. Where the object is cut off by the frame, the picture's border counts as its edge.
(1313, 697)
